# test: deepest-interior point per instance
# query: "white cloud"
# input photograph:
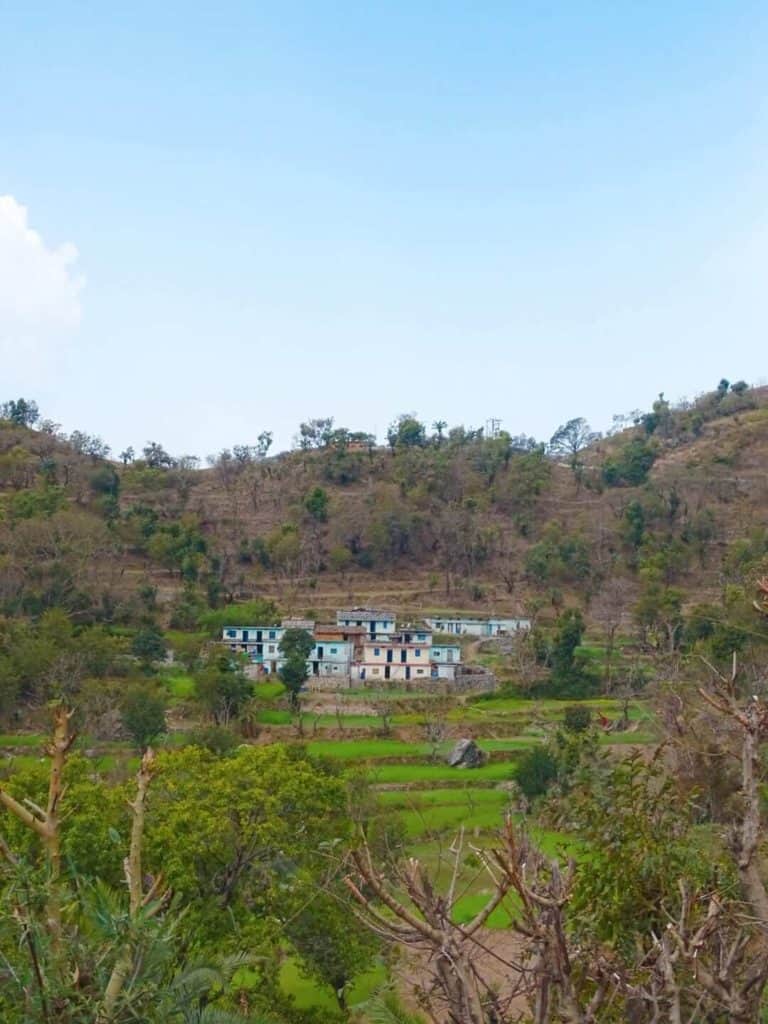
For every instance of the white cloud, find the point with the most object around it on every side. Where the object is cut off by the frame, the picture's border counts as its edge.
(39, 288)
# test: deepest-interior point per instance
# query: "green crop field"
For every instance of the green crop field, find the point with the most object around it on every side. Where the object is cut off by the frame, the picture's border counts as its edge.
(440, 773)
(376, 749)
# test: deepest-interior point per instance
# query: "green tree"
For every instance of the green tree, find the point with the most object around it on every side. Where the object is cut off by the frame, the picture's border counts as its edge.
(577, 718)
(333, 946)
(630, 466)
(407, 432)
(316, 504)
(223, 688)
(295, 647)
(143, 715)
(639, 844)
(156, 457)
(149, 646)
(535, 771)
(244, 840)
(21, 411)
(569, 676)
(570, 440)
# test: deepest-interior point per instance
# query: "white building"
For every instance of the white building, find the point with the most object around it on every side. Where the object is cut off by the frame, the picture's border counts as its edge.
(479, 627)
(377, 623)
(403, 657)
(260, 643)
(444, 659)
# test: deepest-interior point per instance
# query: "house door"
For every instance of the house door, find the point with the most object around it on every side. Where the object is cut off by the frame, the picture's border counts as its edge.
(320, 653)
(403, 656)
(387, 672)
(389, 657)
(407, 671)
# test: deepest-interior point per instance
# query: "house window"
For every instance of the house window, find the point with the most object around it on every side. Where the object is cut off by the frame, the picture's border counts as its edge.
(231, 632)
(334, 650)
(272, 634)
(421, 636)
(376, 651)
(376, 671)
(271, 648)
(417, 652)
(419, 671)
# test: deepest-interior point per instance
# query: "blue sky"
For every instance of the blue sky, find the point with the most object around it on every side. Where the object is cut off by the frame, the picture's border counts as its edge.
(527, 211)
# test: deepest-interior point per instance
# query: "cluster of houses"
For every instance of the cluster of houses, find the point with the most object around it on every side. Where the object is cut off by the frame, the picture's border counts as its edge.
(366, 644)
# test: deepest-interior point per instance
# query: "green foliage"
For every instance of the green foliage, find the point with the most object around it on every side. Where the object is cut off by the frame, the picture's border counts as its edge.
(535, 771)
(243, 839)
(96, 816)
(143, 714)
(633, 524)
(105, 480)
(31, 504)
(407, 432)
(630, 466)
(332, 944)
(295, 647)
(659, 611)
(149, 646)
(639, 843)
(577, 718)
(570, 439)
(570, 677)
(216, 738)
(36, 658)
(558, 557)
(260, 611)
(222, 687)
(23, 412)
(316, 504)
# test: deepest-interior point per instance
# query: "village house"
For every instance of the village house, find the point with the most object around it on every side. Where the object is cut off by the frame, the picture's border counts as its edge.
(361, 646)
(478, 627)
(259, 643)
(377, 624)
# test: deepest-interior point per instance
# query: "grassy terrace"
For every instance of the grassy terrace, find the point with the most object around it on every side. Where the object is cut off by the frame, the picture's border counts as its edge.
(393, 749)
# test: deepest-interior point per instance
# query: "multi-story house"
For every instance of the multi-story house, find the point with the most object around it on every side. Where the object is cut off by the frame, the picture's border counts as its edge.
(404, 655)
(332, 654)
(378, 624)
(260, 643)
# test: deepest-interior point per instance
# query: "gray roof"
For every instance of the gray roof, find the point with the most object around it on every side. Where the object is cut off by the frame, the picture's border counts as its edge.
(364, 613)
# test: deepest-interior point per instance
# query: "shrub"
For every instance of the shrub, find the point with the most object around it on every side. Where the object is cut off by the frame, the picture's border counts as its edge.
(630, 466)
(216, 738)
(577, 718)
(535, 772)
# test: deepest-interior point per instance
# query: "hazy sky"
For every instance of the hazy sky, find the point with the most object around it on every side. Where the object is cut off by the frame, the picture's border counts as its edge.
(223, 218)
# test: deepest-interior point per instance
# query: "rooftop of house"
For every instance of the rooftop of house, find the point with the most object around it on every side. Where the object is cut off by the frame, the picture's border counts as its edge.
(298, 624)
(477, 618)
(365, 613)
(335, 627)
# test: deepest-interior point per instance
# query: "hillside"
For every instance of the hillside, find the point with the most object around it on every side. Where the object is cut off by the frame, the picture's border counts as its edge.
(451, 521)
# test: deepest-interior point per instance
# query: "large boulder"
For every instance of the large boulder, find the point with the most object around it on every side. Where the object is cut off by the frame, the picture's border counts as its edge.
(467, 754)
